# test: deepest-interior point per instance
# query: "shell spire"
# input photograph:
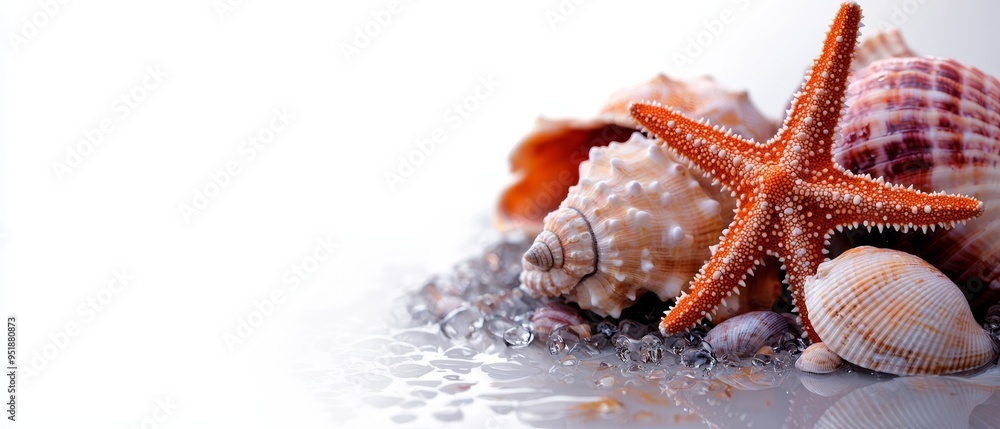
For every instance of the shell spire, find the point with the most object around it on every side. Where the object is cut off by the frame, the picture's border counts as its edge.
(637, 221)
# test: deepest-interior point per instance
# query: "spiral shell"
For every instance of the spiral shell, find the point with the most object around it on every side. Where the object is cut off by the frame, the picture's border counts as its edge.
(637, 221)
(743, 335)
(546, 161)
(935, 124)
(890, 311)
(818, 359)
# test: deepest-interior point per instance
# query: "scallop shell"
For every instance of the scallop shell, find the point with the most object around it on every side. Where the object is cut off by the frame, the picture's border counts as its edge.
(911, 402)
(743, 335)
(935, 124)
(881, 45)
(890, 311)
(818, 359)
(546, 161)
(638, 221)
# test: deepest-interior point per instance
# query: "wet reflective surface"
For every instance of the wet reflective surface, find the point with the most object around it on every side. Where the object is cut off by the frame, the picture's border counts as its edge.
(458, 351)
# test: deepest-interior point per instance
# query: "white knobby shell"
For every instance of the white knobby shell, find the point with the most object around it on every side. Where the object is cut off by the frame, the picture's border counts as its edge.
(818, 359)
(743, 335)
(637, 221)
(890, 311)
(547, 160)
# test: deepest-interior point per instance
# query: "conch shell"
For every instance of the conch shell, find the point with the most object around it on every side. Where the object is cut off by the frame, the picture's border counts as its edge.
(546, 161)
(935, 124)
(890, 311)
(637, 221)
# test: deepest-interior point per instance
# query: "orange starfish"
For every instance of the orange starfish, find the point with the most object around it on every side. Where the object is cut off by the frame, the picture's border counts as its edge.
(792, 195)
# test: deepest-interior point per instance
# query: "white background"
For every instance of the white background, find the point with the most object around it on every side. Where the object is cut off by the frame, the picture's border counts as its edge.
(162, 336)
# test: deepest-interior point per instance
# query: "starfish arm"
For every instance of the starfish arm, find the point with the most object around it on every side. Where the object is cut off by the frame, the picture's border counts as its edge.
(801, 255)
(715, 151)
(874, 203)
(723, 274)
(808, 130)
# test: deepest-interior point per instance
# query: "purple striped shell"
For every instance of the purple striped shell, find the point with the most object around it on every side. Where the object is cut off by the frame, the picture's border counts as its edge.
(935, 124)
(743, 335)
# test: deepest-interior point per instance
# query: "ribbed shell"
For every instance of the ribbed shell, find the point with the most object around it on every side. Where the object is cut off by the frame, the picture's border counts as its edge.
(546, 160)
(552, 315)
(935, 124)
(649, 225)
(879, 46)
(818, 359)
(911, 402)
(746, 333)
(890, 311)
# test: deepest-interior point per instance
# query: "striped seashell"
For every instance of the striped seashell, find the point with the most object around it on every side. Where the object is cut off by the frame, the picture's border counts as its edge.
(818, 359)
(890, 311)
(879, 46)
(553, 315)
(546, 161)
(933, 123)
(743, 335)
(637, 221)
(909, 402)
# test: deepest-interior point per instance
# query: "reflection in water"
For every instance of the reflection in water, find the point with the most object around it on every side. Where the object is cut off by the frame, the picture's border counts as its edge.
(416, 378)
(436, 372)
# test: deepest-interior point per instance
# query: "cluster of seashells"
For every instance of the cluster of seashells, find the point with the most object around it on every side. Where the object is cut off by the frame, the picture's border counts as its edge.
(617, 216)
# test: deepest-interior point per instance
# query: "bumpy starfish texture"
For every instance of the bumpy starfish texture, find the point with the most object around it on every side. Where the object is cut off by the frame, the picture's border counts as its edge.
(792, 195)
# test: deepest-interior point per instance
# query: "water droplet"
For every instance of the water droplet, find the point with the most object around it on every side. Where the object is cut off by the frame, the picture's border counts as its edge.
(462, 323)
(631, 329)
(698, 357)
(518, 337)
(555, 344)
(606, 382)
(623, 348)
(607, 328)
(651, 349)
